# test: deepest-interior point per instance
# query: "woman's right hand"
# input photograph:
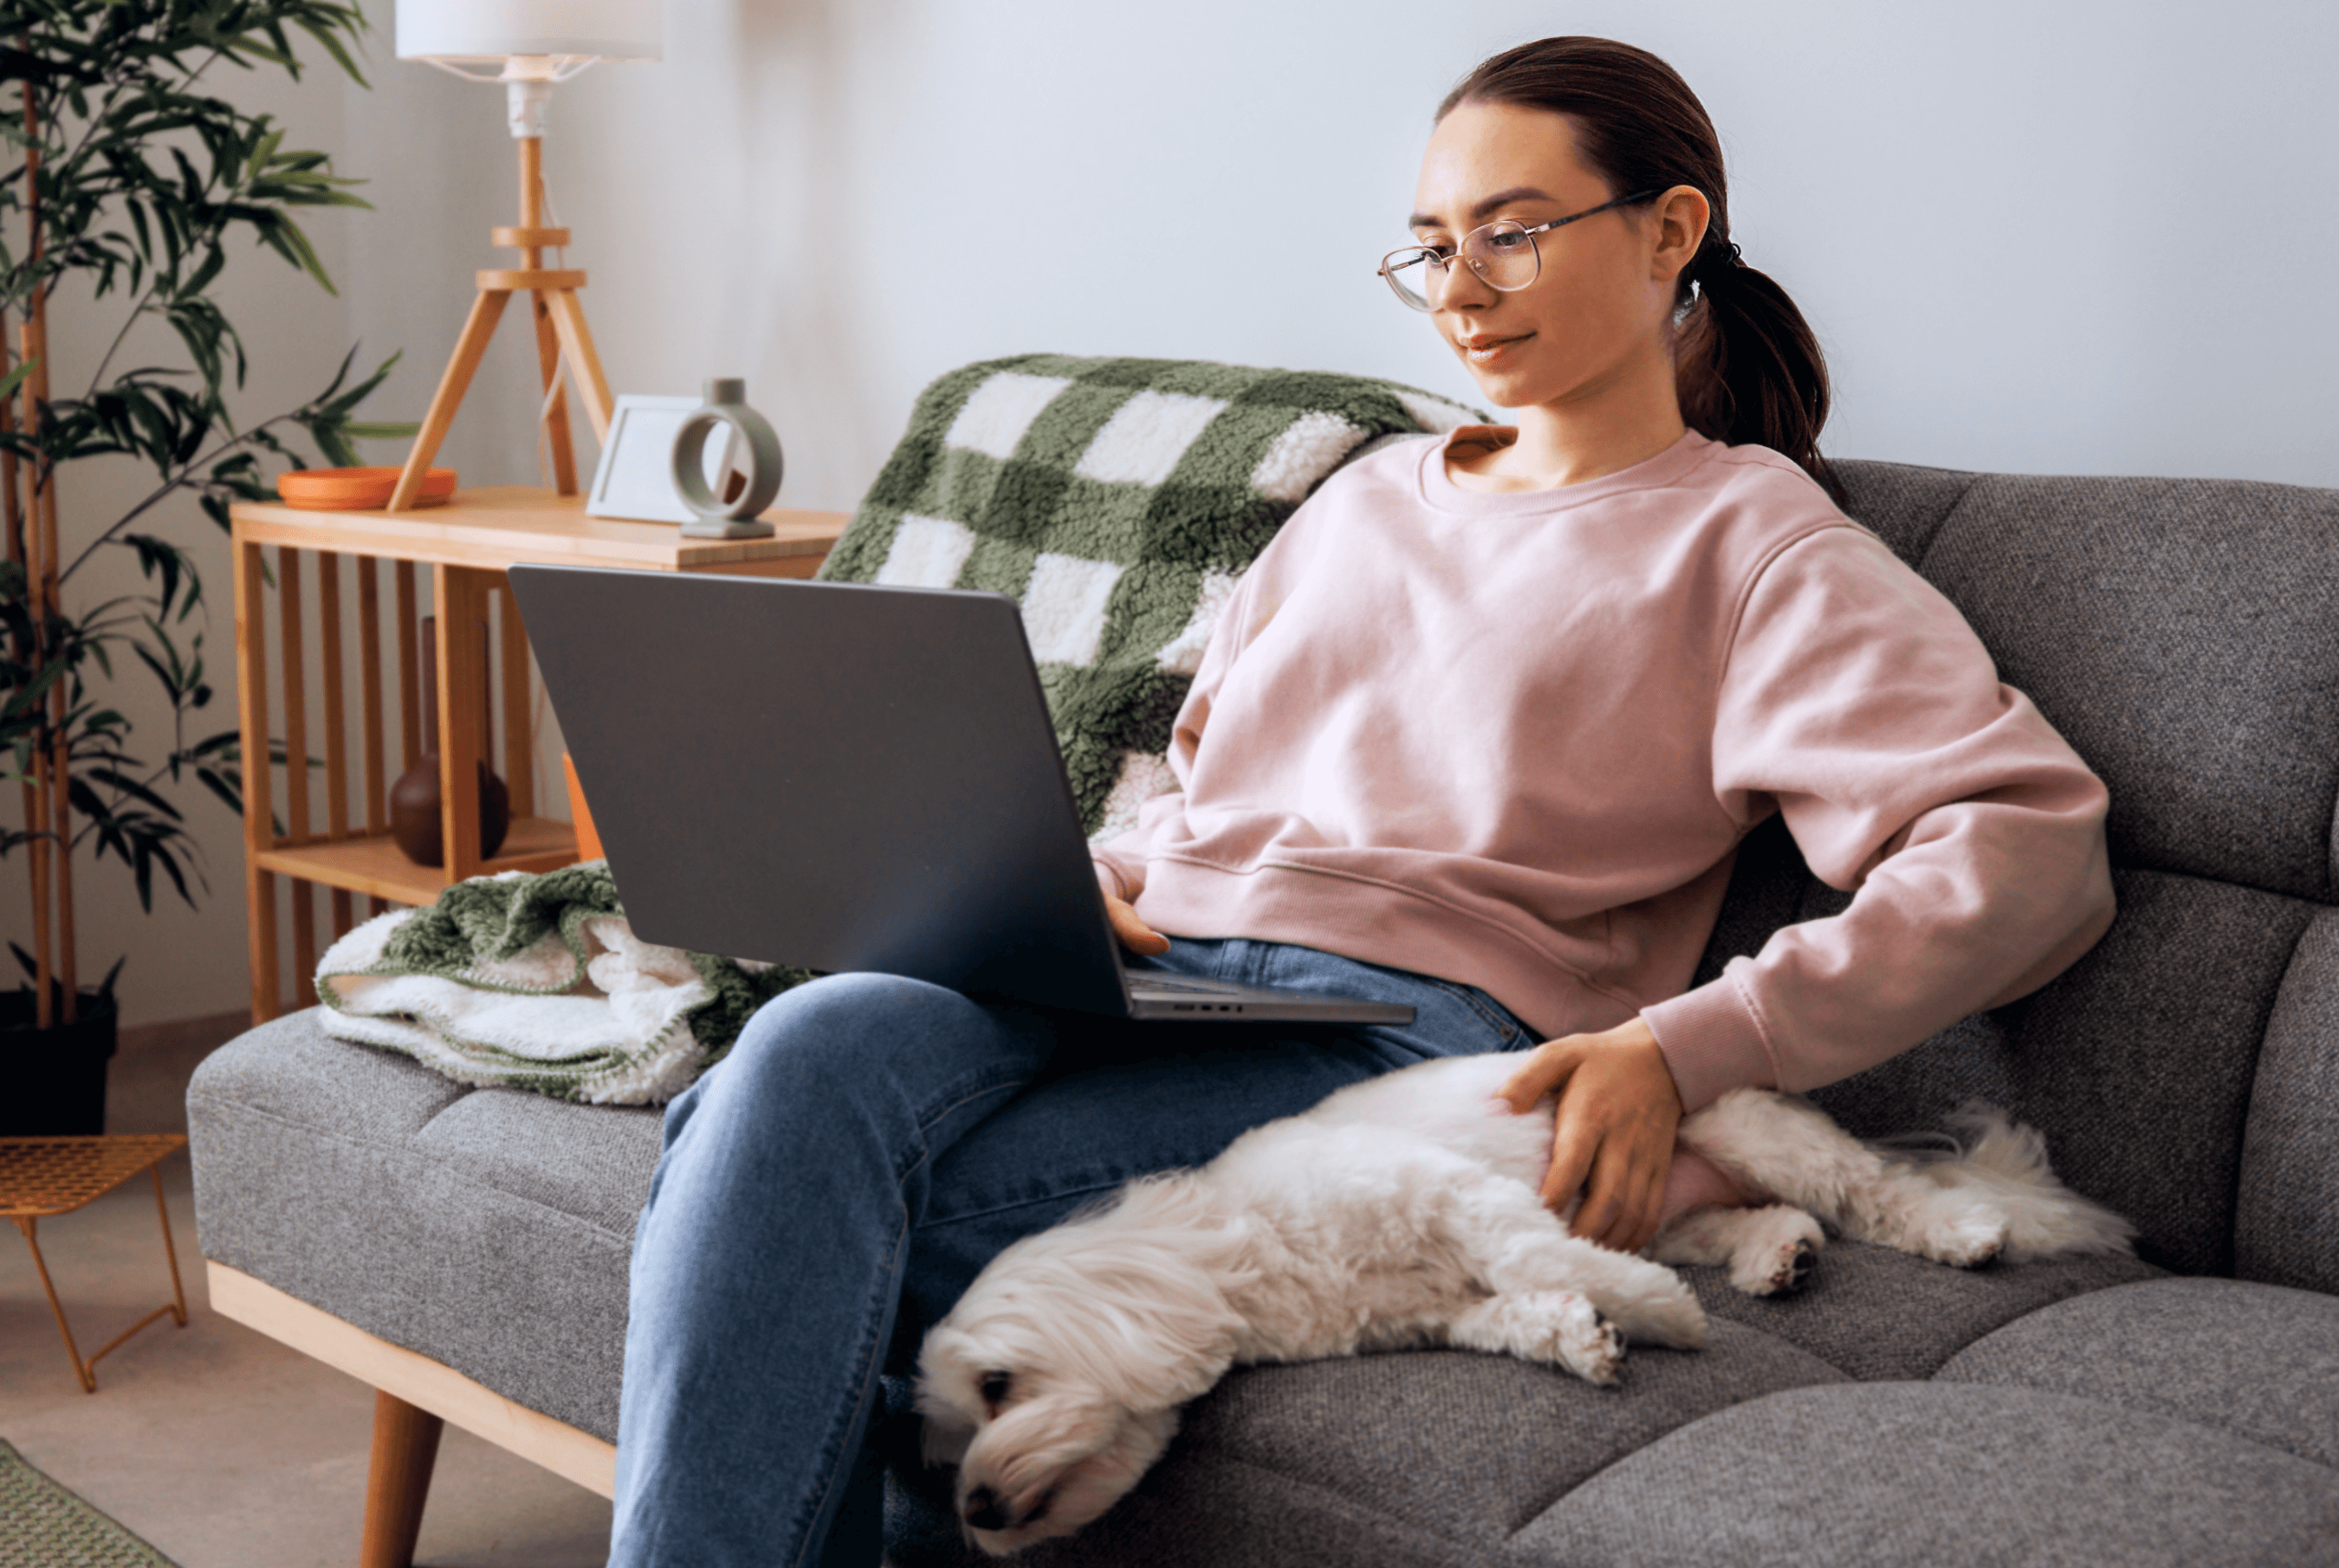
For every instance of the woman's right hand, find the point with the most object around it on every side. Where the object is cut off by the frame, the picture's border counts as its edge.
(1134, 934)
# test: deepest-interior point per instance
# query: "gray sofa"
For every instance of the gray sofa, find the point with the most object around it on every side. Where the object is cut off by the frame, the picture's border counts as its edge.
(2180, 1408)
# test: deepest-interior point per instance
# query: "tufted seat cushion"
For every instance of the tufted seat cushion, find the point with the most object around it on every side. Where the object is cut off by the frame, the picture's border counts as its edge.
(488, 1229)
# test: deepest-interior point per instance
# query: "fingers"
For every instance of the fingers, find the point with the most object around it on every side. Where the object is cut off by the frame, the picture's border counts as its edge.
(1133, 933)
(1546, 1067)
(1574, 1142)
(1625, 1200)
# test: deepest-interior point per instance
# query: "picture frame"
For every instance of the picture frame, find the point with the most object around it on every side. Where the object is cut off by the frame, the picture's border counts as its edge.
(634, 479)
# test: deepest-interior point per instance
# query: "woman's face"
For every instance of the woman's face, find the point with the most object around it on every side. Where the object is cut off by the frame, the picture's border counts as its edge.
(1599, 310)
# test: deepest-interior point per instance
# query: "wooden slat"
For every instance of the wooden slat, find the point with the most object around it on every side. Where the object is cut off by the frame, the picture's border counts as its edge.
(251, 720)
(329, 633)
(515, 279)
(292, 658)
(409, 671)
(371, 760)
(500, 525)
(427, 1384)
(519, 740)
(372, 748)
(377, 868)
(460, 605)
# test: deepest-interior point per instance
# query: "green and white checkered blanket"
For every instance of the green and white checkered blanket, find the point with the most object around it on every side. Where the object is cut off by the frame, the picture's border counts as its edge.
(538, 982)
(1116, 501)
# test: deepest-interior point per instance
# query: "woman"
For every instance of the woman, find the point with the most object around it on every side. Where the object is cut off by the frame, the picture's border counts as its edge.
(1479, 732)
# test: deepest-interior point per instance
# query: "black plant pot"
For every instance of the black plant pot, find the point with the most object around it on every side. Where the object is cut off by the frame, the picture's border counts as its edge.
(56, 1076)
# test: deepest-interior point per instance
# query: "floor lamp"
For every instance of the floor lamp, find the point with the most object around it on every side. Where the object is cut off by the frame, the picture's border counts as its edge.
(537, 42)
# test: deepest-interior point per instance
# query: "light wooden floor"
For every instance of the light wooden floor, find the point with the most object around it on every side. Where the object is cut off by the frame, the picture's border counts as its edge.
(222, 1447)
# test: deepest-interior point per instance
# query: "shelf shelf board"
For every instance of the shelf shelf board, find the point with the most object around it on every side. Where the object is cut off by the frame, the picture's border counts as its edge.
(378, 868)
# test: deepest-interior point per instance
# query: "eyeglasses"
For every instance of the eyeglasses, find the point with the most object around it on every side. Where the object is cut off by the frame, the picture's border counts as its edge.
(1502, 253)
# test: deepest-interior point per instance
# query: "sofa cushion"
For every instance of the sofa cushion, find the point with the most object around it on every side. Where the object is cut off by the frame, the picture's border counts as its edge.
(1452, 1456)
(2256, 1360)
(2179, 633)
(1923, 1473)
(489, 1229)
(2138, 1062)
(1871, 1313)
(2287, 1218)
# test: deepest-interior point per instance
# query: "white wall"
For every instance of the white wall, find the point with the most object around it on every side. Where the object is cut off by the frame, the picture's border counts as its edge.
(2079, 237)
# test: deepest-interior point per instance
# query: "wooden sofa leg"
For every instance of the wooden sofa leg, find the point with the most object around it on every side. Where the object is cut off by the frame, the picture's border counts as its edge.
(405, 1447)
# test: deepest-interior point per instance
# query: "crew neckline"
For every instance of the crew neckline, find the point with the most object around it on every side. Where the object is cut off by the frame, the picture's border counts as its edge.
(1439, 491)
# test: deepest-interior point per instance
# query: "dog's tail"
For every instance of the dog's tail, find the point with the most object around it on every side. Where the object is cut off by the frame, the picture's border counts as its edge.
(2008, 1161)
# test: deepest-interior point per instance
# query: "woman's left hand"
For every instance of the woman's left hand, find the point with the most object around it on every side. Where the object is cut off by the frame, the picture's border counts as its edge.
(1613, 1134)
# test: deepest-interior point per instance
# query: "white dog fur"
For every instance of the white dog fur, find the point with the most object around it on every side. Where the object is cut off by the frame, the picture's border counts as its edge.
(1404, 1212)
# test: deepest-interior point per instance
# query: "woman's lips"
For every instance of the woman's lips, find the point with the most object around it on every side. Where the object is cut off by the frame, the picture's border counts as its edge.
(1483, 350)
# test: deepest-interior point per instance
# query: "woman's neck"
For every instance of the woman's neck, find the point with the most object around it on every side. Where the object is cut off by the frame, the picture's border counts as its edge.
(1592, 432)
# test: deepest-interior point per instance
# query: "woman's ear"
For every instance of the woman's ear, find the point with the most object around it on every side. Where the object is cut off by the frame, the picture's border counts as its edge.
(1682, 215)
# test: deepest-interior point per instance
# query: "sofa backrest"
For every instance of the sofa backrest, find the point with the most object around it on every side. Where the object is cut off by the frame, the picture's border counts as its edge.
(2184, 636)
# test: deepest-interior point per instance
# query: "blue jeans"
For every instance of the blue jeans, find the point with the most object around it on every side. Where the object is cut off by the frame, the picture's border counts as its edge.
(828, 1191)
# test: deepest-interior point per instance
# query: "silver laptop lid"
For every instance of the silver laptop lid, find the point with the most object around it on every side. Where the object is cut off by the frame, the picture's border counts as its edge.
(828, 774)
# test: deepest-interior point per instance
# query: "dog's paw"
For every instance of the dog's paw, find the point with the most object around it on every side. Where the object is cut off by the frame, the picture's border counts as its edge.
(1967, 1241)
(1555, 1325)
(1578, 1339)
(1777, 1252)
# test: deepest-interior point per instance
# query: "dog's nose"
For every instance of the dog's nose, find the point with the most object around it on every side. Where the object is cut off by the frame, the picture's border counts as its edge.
(984, 1510)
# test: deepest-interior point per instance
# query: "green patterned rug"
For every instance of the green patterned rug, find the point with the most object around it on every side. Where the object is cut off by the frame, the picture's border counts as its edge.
(42, 1525)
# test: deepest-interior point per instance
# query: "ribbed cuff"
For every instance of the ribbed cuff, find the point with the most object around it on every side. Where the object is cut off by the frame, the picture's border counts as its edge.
(1110, 880)
(1712, 1042)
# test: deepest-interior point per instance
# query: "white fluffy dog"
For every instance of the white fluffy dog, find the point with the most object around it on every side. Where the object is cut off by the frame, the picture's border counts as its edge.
(1404, 1212)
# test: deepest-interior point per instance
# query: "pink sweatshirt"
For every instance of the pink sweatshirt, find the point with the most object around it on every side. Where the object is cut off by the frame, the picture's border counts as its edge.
(1514, 739)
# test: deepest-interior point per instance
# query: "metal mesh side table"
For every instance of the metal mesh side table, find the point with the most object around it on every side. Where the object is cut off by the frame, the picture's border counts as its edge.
(43, 1176)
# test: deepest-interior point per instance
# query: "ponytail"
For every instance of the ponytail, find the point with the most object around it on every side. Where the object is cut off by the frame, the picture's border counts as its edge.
(1749, 368)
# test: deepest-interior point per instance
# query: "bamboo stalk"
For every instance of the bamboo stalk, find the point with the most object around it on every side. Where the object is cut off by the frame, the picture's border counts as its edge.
(12, 520)
(50, 858)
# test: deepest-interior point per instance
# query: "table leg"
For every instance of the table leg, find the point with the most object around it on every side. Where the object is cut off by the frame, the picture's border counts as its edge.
(29, 1225)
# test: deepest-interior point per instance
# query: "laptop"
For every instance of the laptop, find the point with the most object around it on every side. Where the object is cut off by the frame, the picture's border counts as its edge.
(846, 777)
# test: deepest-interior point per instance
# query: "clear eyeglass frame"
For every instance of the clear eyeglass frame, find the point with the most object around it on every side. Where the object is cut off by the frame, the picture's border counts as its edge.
(1503, 254)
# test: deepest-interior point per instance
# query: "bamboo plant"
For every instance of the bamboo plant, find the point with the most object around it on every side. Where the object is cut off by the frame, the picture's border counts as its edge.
(135, 179)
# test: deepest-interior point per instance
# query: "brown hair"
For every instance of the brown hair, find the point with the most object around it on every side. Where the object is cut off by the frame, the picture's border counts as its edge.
(1749, 368)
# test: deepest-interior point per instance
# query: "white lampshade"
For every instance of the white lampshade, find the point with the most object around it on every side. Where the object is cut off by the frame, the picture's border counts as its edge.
(486, 30)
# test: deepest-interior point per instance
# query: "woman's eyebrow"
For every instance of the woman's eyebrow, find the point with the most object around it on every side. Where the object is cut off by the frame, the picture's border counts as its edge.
(1486, 208)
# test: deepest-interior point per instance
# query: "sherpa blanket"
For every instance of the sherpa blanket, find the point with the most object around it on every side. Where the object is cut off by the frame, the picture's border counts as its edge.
(1116, 501)
(538, 982)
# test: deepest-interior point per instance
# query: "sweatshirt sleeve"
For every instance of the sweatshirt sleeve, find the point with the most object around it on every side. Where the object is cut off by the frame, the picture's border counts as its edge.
(1121, 860)
(1856, 699)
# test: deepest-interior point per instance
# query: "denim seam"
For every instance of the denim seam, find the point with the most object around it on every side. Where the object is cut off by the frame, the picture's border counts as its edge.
(871, 1361)
(926, 1120)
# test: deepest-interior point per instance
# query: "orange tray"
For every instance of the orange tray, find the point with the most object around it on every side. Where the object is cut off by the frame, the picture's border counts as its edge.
(357, 490)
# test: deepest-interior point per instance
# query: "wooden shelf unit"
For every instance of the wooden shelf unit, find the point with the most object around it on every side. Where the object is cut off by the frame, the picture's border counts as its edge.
(465, 545)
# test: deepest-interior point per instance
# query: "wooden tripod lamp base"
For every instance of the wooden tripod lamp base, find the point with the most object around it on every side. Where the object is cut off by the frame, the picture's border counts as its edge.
(561, 336)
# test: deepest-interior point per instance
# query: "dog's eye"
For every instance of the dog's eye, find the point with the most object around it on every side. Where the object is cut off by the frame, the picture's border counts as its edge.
(994, 1389)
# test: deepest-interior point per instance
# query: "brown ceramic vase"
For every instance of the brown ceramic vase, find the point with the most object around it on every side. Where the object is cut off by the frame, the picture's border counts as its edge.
(414, 800)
